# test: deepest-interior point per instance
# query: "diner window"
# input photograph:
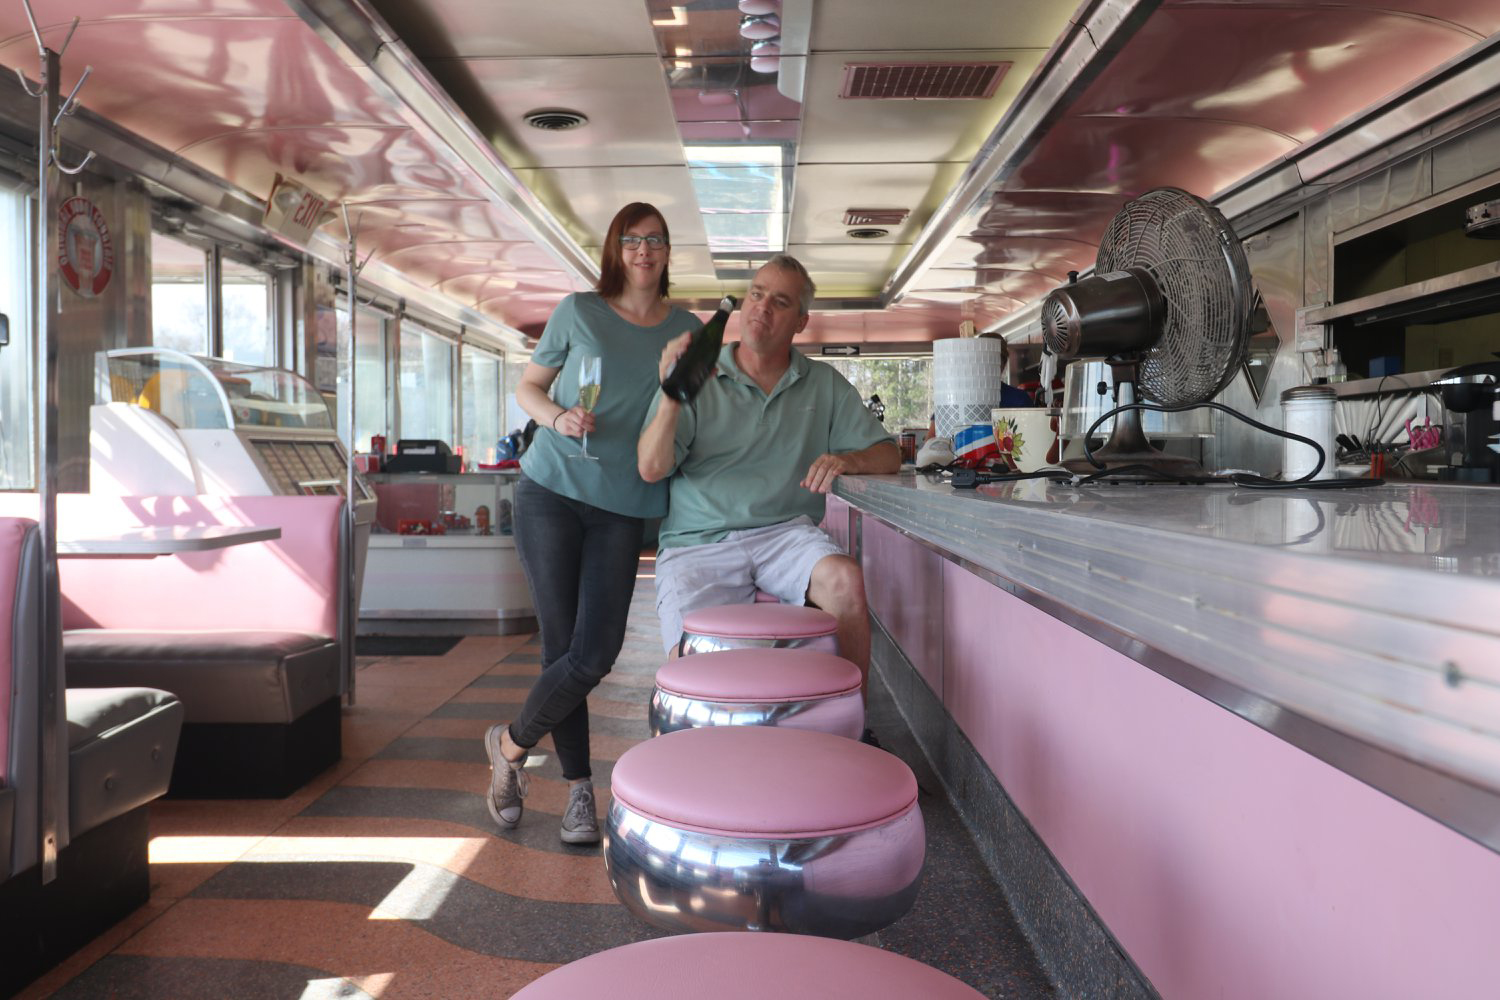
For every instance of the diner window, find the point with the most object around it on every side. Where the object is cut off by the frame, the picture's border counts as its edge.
(16, 471)
(904, 386)
(179, 295)
(515, 418)
(425, 370)
(248, 332)
(481, 406)
(369, 376)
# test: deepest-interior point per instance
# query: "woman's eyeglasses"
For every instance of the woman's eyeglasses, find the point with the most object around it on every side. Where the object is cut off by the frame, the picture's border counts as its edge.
(653, 241)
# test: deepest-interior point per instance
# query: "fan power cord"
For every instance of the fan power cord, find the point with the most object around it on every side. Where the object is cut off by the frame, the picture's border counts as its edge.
(1237, 479)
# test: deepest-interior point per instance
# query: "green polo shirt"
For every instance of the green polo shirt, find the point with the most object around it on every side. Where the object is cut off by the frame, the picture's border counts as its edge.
(583, 323)
(741, 453)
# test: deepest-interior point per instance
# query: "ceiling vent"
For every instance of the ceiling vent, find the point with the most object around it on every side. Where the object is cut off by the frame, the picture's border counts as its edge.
(922, 81)
(870, 233)
(555, 119)
(875, 216)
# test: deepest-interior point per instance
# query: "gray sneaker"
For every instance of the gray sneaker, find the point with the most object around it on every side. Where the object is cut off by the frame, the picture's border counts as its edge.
(508, 782)
(579, 825)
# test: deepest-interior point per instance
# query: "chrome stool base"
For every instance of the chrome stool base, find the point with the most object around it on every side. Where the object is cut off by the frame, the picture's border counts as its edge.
(841, 715)
(841, 886)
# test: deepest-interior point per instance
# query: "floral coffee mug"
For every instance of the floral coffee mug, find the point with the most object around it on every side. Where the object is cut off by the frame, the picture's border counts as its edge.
(1024, 434)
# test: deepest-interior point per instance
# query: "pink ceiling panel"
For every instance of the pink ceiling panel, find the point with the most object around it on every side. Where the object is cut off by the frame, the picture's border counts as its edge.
(442, 217)
(899, 324)
(1296, 71)
(1130, 156)
(365, 162)
(1050, 255)
(1479, 17)
(526, 309)
(179, 81)
(1055, 210)
(481, 286)
(433, 262)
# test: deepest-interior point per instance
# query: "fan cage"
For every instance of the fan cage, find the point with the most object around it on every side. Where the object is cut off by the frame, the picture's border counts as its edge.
(1191, 251)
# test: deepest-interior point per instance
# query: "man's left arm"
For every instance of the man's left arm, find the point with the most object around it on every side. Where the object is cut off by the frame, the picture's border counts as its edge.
(880, 458)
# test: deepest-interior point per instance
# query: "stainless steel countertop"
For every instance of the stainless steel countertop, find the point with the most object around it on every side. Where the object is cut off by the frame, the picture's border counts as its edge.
(1374, 613)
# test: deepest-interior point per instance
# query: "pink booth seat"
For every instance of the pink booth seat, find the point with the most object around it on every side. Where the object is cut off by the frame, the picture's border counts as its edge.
(798, 688)
(730, 966)
(758, 625)
(247, 636)
(762, 828)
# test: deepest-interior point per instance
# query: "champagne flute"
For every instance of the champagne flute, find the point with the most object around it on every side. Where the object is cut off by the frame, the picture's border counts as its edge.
(588, 394)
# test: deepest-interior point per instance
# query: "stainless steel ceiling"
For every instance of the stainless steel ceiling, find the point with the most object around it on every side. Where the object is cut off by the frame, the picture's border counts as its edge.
(410, 111)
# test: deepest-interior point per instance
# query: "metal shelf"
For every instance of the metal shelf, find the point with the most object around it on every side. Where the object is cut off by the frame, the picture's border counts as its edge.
(1470, 292)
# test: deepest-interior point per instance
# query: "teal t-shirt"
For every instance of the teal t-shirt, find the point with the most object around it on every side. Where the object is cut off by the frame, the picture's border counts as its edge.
(584, 324)
(741, 454)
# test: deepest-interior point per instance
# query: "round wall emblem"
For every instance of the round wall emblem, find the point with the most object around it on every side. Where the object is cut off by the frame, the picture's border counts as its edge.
(86, 254)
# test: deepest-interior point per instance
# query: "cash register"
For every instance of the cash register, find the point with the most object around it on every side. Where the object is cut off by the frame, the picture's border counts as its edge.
(413, 455)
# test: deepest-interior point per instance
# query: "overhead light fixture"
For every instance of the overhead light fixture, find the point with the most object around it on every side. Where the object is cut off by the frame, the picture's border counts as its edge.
(680, 62)
(678, 18)
(765, 55)
(755, 26)
(555, 119)
(760, 6)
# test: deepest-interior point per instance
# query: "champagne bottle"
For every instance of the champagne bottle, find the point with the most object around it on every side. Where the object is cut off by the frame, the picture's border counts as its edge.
(689, 372)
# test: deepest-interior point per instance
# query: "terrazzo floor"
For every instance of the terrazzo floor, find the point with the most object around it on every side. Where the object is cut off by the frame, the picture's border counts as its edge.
(385, 877)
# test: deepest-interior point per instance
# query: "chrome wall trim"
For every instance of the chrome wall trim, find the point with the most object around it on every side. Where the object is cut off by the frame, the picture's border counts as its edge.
(1465, 807)
(360, 36)
(1092, 39)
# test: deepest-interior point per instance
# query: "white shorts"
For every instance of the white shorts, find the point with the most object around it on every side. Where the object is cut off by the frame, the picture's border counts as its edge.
(778, 559)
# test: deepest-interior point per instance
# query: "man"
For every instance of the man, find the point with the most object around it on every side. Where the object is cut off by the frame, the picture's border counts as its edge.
(751, 459)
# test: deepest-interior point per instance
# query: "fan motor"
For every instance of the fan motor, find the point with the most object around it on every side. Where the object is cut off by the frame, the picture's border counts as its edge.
(1104, 315)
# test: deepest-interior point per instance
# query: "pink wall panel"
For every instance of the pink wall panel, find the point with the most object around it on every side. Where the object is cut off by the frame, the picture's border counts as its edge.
(290, 583)
(904, 586)
(1228, 863)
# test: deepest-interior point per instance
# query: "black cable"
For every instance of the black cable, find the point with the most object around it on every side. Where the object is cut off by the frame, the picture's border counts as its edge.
(1239, 478)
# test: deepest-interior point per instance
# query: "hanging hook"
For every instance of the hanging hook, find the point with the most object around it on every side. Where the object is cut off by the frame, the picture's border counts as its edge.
(71, 104)
(74, 169)
(41, 52)
(27, 87)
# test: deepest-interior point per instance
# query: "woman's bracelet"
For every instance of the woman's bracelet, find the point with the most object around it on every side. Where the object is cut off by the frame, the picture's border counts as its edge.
(554, 419)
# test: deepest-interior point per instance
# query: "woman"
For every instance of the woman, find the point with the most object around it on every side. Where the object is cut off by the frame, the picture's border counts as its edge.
(579, 523)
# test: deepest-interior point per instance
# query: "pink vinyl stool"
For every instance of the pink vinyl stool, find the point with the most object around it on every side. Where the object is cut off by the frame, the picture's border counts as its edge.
(746, 967)
(764, 828)
(759, 625)
(799, 688)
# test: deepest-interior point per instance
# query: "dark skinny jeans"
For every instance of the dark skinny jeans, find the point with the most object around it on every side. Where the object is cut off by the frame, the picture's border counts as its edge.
(580, 563)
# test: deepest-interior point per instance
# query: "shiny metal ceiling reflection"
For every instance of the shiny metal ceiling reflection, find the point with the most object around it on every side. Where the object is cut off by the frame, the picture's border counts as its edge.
(1195, 93)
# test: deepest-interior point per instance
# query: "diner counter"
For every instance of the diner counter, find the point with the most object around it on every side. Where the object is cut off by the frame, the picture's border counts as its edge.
(1362, 625)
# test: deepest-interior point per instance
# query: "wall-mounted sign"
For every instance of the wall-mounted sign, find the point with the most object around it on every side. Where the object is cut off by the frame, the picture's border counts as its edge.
(847, 350)
(85, 252)
(294, 210)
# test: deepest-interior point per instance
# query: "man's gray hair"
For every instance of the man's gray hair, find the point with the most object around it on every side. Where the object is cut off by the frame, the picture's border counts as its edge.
(787, 262)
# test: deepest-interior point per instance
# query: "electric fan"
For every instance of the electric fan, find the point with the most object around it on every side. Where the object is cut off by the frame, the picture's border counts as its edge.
(1168, 308)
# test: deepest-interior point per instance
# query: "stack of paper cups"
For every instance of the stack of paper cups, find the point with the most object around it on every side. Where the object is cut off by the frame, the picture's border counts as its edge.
(967, 378)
